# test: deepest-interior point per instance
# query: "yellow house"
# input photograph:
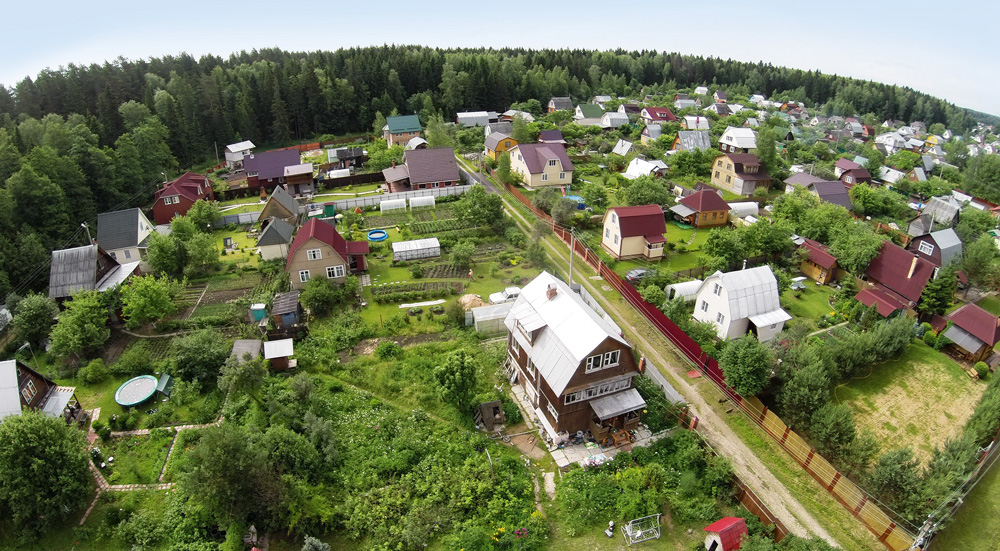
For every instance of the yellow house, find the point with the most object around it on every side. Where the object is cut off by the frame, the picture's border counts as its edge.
(497, 143)
(633, 232)
(739, 172)
(541, 164)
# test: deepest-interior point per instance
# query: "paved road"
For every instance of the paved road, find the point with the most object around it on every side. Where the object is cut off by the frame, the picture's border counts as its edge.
(475, 176)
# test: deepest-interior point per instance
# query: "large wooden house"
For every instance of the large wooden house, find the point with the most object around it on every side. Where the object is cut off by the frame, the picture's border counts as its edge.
(175, 198)
(24, 389)
(318, 250)
(574, 365)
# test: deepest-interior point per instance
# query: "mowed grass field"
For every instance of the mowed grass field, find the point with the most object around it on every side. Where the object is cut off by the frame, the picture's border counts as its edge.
(918, 400)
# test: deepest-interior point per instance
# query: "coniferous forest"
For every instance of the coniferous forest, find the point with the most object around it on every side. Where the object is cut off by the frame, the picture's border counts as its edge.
(81, 140)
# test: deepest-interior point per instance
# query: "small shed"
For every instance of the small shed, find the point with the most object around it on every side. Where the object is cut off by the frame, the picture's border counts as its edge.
(725, 534)
(286, 310)
(488, 320)
(279, 353)
(392, 204)
(416, 249)
(164, 385)
(242, 347)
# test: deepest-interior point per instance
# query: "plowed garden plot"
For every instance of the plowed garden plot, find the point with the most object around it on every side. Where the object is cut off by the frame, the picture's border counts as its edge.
(444, 271)
(919, 400)
(411, 292)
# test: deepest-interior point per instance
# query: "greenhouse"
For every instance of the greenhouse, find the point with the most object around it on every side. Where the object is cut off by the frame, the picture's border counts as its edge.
(392, 204)
(416, 249)
(420, 202)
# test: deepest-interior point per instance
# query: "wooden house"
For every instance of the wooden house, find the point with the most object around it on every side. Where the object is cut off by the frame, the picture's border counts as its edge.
(973, 332)
(634, 232)
(23, 389)
(702, 209)
(818, 264)
(318, 250)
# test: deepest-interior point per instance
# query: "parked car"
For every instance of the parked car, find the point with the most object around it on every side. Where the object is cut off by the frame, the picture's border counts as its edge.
(507, 295)
(638, 274)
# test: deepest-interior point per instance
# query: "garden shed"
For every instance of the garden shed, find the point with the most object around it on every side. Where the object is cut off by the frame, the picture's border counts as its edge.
(419, 202)
(392, 204)
(488, 320)
(416, 249)
(286, 311)
(279, 353)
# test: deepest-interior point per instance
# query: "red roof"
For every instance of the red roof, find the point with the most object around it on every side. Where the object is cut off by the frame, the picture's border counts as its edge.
(819, 254)
(656, 239)
(978, 322)
(186, 185)
(884, 302)
(660, 114)
(731, 531)
(705, 200)
(642, 220)
(892, 266)
(326, 233)
(846, 164)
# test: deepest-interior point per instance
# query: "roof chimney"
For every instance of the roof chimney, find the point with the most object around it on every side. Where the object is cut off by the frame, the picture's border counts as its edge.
(394, 164)
(913, 267)
(550, 292)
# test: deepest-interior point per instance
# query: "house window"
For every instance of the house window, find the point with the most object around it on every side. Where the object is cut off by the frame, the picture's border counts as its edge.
(926, 248)
(728, 178)
(314, 254)
(717, 290)
(303, 276)
(607, 233)
(532, 369)
(553, 412)
(545, 177)
(616, 239)
(594, 363)
(552, 162)
(29, 391)
(614, 218)
(716, 174)
(562, 175)
(519, 157)
(506, 144)
(720, 318)
(718, 164)
(337, 271)
(128, 254)
(611, 358)
(729, 166)
(113, 255)
(514, 347)
(849, 179)
(774, 326)
(704, 306)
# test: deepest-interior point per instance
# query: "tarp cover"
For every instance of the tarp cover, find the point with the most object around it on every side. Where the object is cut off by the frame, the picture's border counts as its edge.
(618, 403)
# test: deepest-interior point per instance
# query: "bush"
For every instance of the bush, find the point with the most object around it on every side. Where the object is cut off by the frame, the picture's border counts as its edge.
(388, 349)
(981, 369)
(94, 372)
(417, 271)
(930, 339)
(134, 361)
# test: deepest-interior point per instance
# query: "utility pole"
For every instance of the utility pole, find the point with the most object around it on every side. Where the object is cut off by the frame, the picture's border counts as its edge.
(217, 163)
(572, 253)
(86, 227)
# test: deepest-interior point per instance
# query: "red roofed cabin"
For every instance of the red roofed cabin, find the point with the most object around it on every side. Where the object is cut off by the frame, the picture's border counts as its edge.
(819, 265)
(653, 115)
(318, 250)
(973, 332)
(633, 232)
(176, 197)
(725, 534)
(702, 209)
(898, 277)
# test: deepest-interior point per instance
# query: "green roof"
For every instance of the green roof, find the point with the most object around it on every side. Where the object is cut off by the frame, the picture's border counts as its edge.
(404, 123)
(591, 111)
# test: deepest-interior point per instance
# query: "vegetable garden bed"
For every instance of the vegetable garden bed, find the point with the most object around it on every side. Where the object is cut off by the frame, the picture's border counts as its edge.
(402, 292)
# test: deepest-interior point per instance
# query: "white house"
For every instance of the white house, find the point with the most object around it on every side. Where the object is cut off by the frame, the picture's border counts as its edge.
(738, 140)
(124, 234)
(740, 302)
(701, 91)
(623, 147)
(641, 167)
(235, 153)
(695, 122)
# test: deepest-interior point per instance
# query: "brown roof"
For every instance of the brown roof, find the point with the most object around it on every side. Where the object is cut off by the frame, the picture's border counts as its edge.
(660, 114)
(884, 301)
(892, 266)
(846, 164)
(431, 165)
(978, 322)
(819, 254)
(325, 232)
(186, 184)
(640, 220)
(705, 200)
(535, 155)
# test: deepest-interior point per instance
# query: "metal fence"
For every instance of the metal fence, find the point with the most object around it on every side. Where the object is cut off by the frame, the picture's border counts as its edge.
(372, 200)
(241, 218)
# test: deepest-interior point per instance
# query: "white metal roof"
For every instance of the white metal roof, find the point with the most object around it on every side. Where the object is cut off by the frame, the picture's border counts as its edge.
(744, 209)
(740, 137)
(416, 244)
(770, 318)
(278, 349)
(117, 276)
(963, 338)
(682, 210)
(492, 311)
(58, 398)
(686, 289)
(641, 167)
(10, 397)
(570, 330)
(241, 146)
(295, 170)
(618, 403)
(751, 292)
(622, 147)
(415, 142)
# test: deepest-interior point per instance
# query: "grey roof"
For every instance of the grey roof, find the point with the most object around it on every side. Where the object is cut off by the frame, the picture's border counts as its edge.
(561, 103)
(803, 179)
(613, 119)
(277, 232)
(832, 192)
(949, 243)
(692, 140)
(963, 338)
(920, 225)
(654, 131)
(622, 147)
(569, 329)
(77, 269)
(431, 165)
(618, 403)
(10, 397)
(285, 303)
(494, 139)
(943, 209)
(120, 229)
(285, 199)
(503, 126)
(751, 292)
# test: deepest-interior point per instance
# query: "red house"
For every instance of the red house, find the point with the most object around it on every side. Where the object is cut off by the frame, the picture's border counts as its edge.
(176, 197)
(899, 277)
(652, 115)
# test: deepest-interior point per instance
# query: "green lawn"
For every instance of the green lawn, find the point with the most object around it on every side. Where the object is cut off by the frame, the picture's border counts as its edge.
(809, 305)
(991, 304)
(919, 399)
(102, 395)
(137, 459)
(974, 528)
(690, 239)
(246, 247)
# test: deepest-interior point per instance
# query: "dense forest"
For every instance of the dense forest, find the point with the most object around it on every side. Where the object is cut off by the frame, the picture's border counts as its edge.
(81, 140)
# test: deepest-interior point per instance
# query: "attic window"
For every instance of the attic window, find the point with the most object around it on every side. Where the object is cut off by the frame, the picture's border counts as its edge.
(926, 248)
(29, 391)
(314, 254)
(552, 162)
(717, 290)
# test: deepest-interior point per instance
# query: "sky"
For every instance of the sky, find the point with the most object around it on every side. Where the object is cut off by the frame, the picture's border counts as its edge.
(941, 48)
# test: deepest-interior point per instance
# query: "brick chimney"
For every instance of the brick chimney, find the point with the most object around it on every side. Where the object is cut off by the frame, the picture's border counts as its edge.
(913, 267)
(550, 293)
(394, 164)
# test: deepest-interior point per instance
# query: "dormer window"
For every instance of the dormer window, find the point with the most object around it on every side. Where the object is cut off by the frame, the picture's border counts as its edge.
(552, 162)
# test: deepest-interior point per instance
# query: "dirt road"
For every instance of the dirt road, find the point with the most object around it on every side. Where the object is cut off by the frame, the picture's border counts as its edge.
(746, 465)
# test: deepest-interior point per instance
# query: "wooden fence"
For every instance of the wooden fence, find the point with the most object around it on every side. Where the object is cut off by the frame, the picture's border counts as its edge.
(852, 497)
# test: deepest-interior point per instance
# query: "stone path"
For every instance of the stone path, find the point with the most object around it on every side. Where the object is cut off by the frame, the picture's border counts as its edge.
(550, 485)
(365, 280)
(827, 329)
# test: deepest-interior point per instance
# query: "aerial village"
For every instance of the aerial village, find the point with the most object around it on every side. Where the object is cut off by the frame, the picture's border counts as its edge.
(358, 338)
